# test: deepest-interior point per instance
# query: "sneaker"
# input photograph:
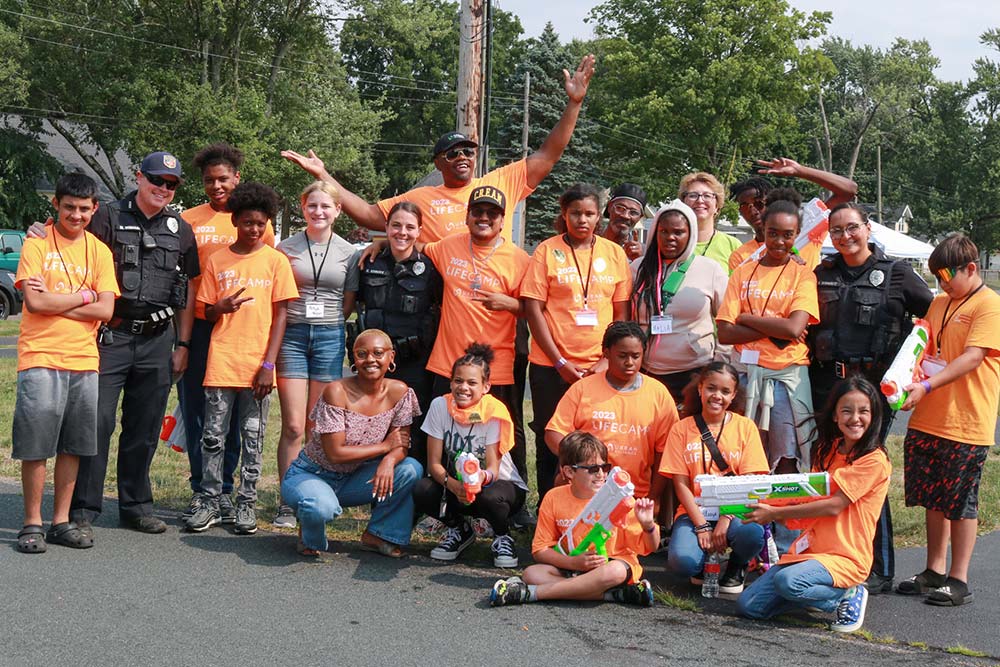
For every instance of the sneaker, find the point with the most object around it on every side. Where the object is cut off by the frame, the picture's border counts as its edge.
(954, 593)
(523, 518)
(246, 518)
(921, 583)
(454, 542)
(640, 594)
(876, 583)
(851, 610)
(732, 579)
(192, 506)
(508, 591)
(205, 516)
(285, 517)
(227, 511)
(504, 554)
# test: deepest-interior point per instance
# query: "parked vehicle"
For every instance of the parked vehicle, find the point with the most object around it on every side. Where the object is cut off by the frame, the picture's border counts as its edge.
(11, 241)
(11, 299)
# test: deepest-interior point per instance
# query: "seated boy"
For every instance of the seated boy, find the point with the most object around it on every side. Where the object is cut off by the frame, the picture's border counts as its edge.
(588, 576)
(245, 289)
(69, 285)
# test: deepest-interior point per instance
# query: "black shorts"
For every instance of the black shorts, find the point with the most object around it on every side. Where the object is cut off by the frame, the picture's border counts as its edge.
(942, 475)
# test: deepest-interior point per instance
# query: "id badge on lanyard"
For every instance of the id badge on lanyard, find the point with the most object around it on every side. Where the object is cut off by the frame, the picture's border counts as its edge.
(660, 325)
(750, 357)
(314, 310)
(585, 317)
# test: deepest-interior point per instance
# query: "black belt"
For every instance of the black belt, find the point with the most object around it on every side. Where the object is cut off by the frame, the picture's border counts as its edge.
(843, 368)
(156, 324)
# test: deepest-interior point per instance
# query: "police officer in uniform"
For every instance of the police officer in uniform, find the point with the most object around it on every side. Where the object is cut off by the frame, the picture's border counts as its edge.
(400, 292)
(866, 302)
(155, 259)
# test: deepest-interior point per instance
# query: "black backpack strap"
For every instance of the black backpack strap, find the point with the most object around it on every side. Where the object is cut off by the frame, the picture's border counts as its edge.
(713, 447)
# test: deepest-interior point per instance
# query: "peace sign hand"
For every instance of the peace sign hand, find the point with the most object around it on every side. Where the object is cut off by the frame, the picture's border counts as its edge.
(231, 303)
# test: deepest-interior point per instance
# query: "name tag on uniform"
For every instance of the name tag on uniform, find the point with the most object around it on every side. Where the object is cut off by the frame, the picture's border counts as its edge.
(661, 324)
(314, 310)
(586, 318)
(750, 357)
(931, 366)
(800, 545)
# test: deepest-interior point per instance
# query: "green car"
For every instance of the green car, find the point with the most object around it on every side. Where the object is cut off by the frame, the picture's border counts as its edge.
(11, 241)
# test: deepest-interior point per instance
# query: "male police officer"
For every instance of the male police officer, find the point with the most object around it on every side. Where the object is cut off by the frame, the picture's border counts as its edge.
(155, 259)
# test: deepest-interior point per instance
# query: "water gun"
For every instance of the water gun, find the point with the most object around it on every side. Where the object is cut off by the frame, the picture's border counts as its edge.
(607, 510)
(470, 474)
(815, 224)
(738, 495)
(903, 370)
(172, 432)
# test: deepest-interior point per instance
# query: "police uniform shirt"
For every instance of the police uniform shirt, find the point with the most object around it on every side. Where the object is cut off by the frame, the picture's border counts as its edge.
(402, 298)
(130, 214)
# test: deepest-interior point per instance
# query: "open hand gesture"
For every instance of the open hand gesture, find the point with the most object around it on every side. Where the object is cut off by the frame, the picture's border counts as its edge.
(311, 163)
(576, 85)
(780, 166)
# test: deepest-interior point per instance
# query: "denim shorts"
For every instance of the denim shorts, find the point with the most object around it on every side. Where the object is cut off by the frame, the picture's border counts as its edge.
(312, 352)
(55, 412)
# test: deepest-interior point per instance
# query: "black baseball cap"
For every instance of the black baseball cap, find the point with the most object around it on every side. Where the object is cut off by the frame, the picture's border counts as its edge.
(452, 139)
(161, 163)
(489, 195)
(628, 191)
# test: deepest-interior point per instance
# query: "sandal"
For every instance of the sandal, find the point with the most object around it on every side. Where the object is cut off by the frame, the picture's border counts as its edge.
(954, 593)
(380, 546)
(31, 540)
(68, 535)
(921, 583)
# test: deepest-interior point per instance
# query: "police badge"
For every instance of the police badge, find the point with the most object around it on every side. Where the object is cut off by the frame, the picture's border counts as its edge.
(418, 268)
(876, 277)
(172, 225)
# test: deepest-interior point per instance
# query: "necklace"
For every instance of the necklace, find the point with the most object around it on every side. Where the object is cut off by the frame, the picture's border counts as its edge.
(477, 278)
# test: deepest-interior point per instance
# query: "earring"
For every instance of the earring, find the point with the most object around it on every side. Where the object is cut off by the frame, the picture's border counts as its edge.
(354, 369)
(392, 367)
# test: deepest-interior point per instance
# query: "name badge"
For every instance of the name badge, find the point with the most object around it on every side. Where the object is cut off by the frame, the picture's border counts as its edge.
(586, 318)
(661, 324)
(750, 357)
(931, 366)
(314, 310)
(710, 513)
(801, 544)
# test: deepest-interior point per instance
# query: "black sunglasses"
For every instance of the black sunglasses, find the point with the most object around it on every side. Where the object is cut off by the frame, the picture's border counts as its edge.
(455, 152)
(603, 467)
(161, 182)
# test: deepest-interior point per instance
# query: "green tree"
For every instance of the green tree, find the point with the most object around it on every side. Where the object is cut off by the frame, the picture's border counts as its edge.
(23, 162)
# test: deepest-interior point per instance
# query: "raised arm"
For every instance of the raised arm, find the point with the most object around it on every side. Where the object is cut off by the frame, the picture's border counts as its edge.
(365, 214)
(842, 189)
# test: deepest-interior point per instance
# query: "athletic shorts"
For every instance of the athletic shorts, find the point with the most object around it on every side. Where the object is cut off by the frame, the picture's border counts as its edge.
(942, 475)
(55, 413)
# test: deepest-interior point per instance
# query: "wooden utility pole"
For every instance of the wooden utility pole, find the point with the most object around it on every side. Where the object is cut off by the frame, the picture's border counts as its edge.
(470, 68)
(878, 172)
(524, 125)
(521, 221)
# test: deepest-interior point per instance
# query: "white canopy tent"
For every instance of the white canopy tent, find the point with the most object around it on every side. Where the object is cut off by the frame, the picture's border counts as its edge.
(893, 244)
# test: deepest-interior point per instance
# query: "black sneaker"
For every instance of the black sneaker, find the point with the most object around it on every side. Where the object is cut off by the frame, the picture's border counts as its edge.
(146, 523)
(246, 517)
(454, 542)
(192, 506)
(227, 511)
(732, 579)
(285, 517)
(504, 554)
(638, 594)
(876, 583)
(508, 591)
(523, 518)
(205, 516)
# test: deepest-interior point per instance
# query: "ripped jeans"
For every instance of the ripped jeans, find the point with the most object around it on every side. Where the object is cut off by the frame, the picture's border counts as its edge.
(219, 403)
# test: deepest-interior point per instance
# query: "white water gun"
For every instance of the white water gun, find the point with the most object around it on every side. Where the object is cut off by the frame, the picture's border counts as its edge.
(903, 370)
(815, 223)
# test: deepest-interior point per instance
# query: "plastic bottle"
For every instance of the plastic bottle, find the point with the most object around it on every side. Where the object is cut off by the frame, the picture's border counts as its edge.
(710, 582)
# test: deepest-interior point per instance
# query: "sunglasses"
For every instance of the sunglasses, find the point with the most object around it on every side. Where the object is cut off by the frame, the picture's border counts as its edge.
(593, 470)
(948, 274)
(161, 182)
(454, 153)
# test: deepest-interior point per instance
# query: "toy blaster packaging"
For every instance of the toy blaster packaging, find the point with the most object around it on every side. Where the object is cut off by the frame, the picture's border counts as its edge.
(737, 495)
(903, 370)
(607, 510)
(815, 224)
(172, 432)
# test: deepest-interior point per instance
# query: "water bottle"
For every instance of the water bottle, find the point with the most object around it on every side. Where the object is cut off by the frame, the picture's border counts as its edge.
(710, 582)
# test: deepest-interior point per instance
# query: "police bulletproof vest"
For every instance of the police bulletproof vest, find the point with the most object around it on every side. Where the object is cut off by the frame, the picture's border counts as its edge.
(855, 321)
(397, 297)
(146, 258)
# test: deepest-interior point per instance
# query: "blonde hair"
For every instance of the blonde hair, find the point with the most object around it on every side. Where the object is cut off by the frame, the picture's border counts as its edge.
(709, 180)
(320, 186)
(374, 332)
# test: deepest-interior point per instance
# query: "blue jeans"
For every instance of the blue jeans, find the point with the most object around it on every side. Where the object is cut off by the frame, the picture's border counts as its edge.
(788, 587)
(319, 495)
(312, 352)
(191, 398)
(686, 558)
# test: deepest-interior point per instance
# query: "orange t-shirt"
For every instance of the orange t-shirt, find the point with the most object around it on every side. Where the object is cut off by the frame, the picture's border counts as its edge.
(739, 444)
(239, 340)
(964, 410)
(54, 341)
(213, 231)
(843, 543)
(558, 510)
(555, 279)
(811, 254)
(772, 291)
(633, 424)
(444, 208)
(464, 321)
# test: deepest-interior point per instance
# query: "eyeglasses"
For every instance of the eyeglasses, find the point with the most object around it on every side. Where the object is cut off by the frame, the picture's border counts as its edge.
(161, 182)
(454, 153)
(593, 470)
(625, 211)
(700, 196)
(377, 354)
(759, 203)
(852, 229)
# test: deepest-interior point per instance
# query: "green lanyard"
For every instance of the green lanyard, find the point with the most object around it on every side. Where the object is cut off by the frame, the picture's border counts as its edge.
(670, 286)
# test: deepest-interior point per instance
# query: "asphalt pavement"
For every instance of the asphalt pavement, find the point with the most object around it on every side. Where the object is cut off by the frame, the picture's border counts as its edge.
(221, 599)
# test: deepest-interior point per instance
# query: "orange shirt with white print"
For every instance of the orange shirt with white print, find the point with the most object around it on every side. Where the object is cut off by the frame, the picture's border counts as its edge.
(239, 340)
(632, 424)
(560, 507)
(811, 254)
(843, 543)
(556, 277)
(964, 410)
(443, 208)
(464, 321)
(771, 291)
(213, 231)
(739, 443)
(67, 266)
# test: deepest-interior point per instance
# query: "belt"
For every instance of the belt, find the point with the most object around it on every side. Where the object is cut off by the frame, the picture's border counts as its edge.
(846, 367)
(156, 324)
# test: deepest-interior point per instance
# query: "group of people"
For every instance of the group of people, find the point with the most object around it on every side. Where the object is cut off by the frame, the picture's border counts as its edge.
(692, 354)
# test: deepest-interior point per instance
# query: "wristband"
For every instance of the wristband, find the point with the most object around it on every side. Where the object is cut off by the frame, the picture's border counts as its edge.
(184, 344)
(561, 362)
(926, 384)
(488, 478)
(650, 529)
(87, 297)
(703, 528)
(267, 365)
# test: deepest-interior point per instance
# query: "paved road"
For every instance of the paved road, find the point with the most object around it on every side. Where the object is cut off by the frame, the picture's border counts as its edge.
(220, 599)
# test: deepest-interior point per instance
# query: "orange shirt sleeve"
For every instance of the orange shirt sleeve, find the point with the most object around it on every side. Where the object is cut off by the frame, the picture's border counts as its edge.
(536, 281)
(672, 463)
(731, 305)
(207, 291)
(104, 278)
(32, 259)
(666, 416)
(859, 478)
(547, 531)
(805, 298)
(564, 418)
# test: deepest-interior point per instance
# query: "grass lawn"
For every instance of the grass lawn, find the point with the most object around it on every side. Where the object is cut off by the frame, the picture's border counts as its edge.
(170, 471)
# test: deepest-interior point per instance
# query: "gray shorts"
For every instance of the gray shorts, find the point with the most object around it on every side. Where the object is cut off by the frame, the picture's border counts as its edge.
(55, 413)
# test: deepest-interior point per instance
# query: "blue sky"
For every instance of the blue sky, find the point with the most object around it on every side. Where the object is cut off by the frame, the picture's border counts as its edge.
(952, 27)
